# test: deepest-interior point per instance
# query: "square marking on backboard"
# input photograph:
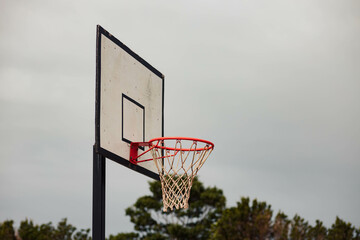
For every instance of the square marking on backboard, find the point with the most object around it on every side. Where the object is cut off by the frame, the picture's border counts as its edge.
(133, 120)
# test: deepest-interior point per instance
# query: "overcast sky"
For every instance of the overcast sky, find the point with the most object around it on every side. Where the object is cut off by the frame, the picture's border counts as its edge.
(274, 84)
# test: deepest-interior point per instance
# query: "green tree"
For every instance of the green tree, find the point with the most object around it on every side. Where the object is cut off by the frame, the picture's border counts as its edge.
(318, 232)
(83, 234)
(244, 221)
(124, 236)
(205, 207)
(299, 228)
(64, 231)
(29, 231)
(341, 230)
(280, 228)
(357, 234)
(7, 231)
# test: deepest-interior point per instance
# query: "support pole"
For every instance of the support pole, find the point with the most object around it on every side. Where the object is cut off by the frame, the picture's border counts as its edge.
(98, 217)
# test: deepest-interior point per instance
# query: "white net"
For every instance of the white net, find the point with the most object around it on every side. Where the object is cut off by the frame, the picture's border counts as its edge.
(177, 166)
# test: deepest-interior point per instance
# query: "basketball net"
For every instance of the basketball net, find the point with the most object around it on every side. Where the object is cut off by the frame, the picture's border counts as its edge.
(177, 167)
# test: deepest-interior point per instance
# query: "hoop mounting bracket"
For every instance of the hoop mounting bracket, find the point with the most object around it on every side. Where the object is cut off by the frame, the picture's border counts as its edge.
(134, 147)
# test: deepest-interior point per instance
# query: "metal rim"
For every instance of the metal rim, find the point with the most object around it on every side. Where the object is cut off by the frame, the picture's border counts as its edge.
(209, 145)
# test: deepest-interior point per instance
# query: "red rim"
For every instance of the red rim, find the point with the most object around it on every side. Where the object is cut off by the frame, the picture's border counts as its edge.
(208, 143)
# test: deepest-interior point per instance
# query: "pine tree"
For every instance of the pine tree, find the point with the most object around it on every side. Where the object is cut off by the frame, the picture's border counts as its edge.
(205, 207)
(245, 221)
(7, 231)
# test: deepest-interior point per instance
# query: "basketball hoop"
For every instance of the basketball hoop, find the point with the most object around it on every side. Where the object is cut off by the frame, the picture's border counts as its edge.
(178, 160)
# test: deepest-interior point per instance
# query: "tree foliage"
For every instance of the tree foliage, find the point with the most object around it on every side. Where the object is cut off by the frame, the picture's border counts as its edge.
(244, 221)
(206, 218)
(205, 207)
(7, 231)
(281, 225)
(253, 221)
(342, 230)
(64, 231)
(124, 236)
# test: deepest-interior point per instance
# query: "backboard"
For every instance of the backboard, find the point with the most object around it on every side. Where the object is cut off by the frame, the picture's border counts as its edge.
(129, 102)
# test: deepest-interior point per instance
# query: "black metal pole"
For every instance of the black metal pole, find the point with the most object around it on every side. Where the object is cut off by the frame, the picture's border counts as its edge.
(98, 217)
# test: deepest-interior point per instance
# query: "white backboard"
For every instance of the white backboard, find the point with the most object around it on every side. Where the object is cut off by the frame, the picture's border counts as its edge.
(129, 102)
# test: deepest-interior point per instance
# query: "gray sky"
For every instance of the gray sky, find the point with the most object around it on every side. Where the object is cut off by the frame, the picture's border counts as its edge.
(274, 84)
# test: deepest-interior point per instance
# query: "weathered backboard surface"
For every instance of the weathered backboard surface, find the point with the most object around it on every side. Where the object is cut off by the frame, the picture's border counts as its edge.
(129, 102)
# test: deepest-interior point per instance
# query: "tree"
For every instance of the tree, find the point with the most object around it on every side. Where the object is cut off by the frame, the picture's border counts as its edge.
(341, 230)
(64, 231)
(357, 234)
(205, 207)
(281, 227)
(244, 221)
(83, 234)
(29, 231)
(299, 228)
(7, 230)
(318, 232)
(124, 236)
